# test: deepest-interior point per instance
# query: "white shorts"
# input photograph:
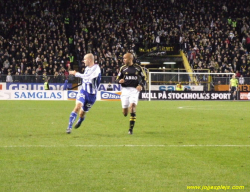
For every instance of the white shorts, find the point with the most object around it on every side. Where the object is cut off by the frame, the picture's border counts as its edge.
(129, 95)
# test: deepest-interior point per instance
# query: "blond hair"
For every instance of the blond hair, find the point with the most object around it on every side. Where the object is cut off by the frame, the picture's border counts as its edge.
(90, 56)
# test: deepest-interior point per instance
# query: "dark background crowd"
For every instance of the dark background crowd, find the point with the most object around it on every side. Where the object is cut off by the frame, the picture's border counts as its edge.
(50, 37)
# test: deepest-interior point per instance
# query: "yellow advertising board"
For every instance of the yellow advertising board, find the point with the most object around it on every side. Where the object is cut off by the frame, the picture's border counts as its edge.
(226, 88)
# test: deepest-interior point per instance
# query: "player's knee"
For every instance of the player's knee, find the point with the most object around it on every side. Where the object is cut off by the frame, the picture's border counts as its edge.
(82, 113)
(132, 107)
(77, 108)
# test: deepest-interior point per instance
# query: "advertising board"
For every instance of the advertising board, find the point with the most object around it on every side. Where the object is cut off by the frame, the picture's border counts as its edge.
(244, 95)
(110, 95)
(181, 95)
(31, 95)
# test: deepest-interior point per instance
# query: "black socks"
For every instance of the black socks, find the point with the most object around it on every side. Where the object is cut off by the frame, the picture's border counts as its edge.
(132, 120)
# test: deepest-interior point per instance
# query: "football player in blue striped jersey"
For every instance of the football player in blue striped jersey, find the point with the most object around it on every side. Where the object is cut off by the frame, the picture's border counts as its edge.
(86, 96)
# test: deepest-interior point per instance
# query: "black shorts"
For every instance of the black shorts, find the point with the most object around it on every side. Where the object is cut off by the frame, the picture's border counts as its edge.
(233, 89)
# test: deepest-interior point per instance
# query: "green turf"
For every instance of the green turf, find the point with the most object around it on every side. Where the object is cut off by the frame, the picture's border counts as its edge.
(175, 144)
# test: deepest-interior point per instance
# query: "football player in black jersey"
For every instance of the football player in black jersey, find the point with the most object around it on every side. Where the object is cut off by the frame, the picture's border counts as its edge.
(132, 78)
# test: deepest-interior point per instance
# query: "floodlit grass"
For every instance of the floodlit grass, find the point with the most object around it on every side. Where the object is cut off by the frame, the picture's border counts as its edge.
(175, 144)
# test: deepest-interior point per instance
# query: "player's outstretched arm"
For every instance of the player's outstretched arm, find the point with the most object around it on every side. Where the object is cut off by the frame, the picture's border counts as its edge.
(90, 75)
(72, 72)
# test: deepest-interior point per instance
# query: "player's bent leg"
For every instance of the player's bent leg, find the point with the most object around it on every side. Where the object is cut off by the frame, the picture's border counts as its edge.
(77, 107)
(73, 116)
(88, 103)
(81, 119)
(132, 118)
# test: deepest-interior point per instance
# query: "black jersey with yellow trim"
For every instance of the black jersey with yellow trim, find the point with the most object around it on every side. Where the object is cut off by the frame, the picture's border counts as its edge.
(133, 75)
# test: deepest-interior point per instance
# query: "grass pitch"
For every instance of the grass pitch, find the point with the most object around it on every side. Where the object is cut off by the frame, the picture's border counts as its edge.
(175, 144)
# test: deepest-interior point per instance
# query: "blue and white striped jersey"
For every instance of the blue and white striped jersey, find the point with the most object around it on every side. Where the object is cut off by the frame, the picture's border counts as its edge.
(90, 79)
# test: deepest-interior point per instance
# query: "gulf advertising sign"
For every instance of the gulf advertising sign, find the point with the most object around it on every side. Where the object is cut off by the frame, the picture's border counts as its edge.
(110, 95)
(244, 95)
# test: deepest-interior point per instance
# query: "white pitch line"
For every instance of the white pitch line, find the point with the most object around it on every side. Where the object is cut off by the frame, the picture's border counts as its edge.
(48, 146)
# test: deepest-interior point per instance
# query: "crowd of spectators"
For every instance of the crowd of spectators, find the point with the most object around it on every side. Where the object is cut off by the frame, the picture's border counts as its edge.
(41, 38)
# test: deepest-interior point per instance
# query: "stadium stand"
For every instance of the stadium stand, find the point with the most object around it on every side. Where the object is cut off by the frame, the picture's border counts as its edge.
(48, 38)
